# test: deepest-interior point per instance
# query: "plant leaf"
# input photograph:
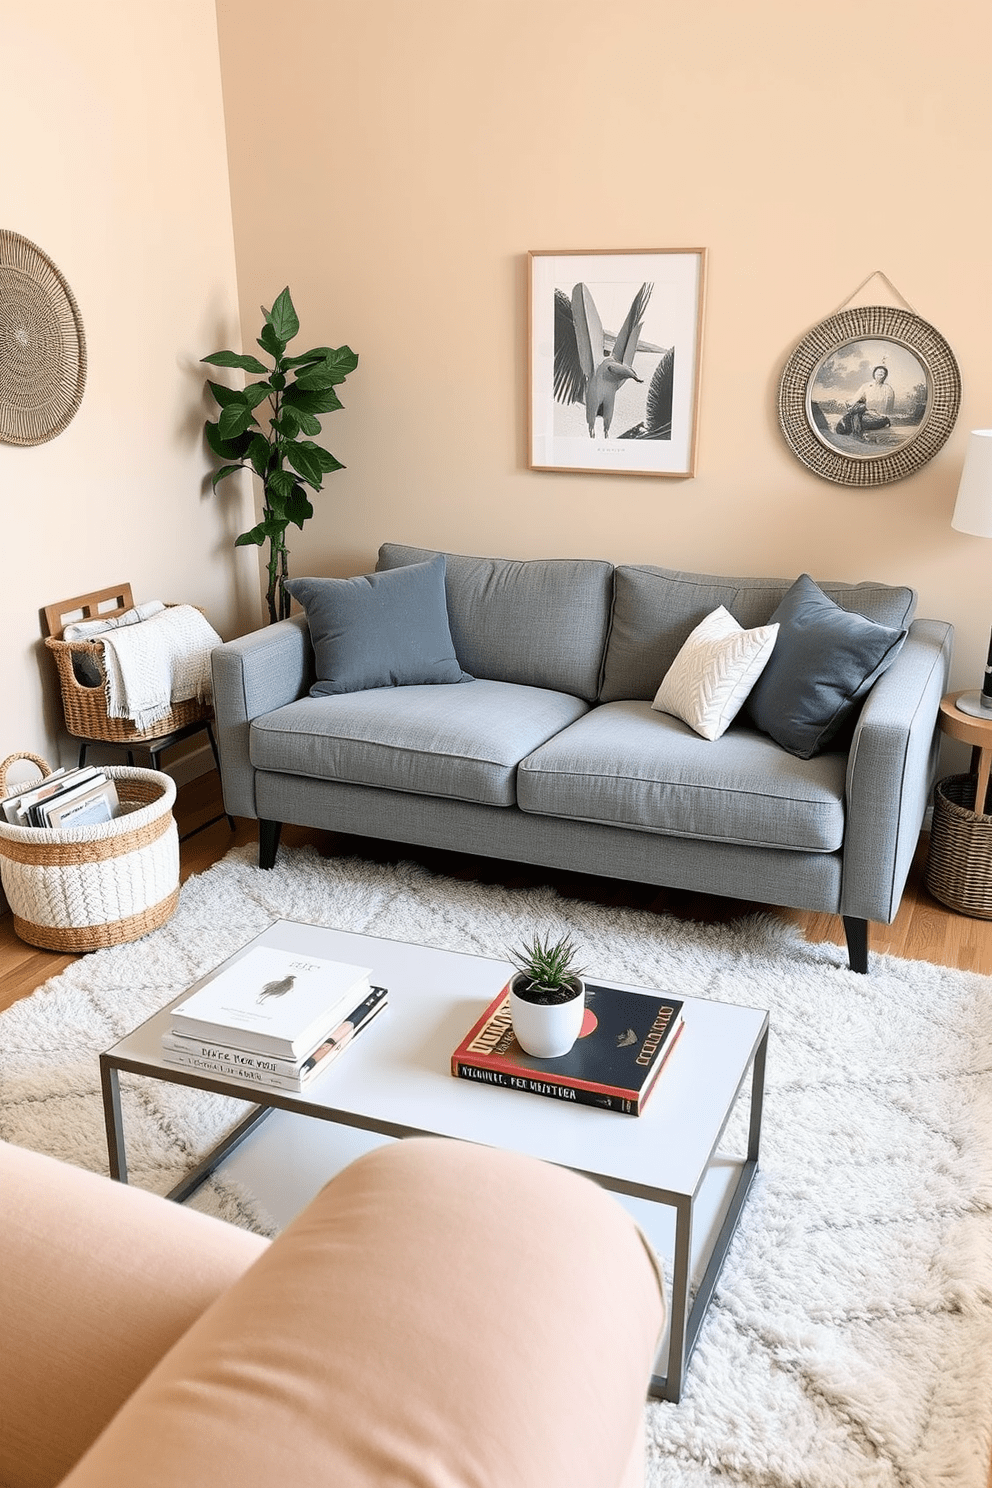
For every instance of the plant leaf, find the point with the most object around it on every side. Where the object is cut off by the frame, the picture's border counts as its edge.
(317, 378)
(298, 508)
(307, 358)
(226, 449)
(323, 457)
(287, 424)
(257, 392)
(235, 359)
(225, 396)
(235, 420)
(306, 421)
(274, 527)
(334, 367)
(219, 475)
(254, 538)
(305, 463)
(325, 401)
(283, 317)
(270, 342)
(281, 482)
(258, 453)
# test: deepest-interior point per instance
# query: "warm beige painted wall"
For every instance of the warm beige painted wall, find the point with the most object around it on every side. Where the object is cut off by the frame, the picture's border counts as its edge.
(115, 165)
(427, 146)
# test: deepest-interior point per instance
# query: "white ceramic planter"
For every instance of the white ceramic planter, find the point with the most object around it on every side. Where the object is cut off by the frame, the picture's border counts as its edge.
(547, 1030)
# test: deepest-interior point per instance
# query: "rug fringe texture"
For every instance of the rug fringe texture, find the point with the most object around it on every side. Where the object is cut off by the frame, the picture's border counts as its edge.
(849, 1341)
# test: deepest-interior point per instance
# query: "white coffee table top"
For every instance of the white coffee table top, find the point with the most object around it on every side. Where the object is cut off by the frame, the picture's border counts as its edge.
(396, 1078)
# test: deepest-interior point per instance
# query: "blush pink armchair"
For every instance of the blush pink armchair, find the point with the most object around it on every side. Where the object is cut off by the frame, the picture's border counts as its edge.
(440, 1314)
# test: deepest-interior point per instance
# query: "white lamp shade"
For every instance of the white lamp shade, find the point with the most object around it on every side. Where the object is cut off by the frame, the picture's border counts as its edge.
(973, 508)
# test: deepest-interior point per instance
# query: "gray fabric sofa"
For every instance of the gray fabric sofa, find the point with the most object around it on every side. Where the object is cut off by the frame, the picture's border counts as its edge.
(552, 754)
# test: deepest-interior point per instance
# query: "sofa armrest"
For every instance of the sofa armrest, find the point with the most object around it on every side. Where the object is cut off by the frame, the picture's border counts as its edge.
(251, 676)
(441, 1312)
(890, 772)
(97, 1282)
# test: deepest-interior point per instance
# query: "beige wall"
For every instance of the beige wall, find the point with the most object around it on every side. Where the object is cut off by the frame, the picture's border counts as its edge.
(115, 166)
(428, 146)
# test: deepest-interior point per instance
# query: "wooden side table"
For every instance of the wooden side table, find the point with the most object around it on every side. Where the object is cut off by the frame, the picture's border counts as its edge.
(974, 731)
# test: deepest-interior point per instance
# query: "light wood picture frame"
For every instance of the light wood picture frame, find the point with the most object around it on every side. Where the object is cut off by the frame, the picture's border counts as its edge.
(615, 350)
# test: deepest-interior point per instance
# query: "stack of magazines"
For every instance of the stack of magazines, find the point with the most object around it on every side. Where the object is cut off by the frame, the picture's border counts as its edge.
(66, 798)
(274, 1018)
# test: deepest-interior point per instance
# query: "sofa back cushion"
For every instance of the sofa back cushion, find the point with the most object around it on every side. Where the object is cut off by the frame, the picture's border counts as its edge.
(539, 622)
(655, 609)
(379, 630)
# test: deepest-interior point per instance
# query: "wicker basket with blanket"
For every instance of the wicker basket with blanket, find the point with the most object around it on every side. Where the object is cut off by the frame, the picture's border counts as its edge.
(166, 660)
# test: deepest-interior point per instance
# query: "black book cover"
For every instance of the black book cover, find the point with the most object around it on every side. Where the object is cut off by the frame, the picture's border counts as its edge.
(624, 1041)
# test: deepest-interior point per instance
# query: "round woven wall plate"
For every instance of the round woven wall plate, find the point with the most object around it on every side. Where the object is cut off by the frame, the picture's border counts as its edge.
(824, 382)
(42, 346)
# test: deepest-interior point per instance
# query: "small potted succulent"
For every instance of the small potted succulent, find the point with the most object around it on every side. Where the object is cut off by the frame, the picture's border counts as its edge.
(547, 997)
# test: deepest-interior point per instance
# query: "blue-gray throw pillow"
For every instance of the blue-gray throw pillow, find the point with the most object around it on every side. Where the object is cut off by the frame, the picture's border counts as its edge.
(385, 629)
(824, 663)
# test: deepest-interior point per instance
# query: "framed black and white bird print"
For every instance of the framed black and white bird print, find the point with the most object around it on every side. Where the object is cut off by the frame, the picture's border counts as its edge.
(615, 347)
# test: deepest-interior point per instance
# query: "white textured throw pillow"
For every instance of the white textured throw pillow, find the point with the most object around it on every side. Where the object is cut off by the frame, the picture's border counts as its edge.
(708, 681)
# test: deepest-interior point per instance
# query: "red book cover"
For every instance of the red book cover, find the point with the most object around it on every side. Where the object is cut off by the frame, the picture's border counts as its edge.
(626, 1038)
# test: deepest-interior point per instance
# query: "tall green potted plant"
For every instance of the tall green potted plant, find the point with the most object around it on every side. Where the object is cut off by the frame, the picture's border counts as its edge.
(282, 453)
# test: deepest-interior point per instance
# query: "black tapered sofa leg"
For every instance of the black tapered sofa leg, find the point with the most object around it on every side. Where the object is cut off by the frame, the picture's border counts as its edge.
(268, 842)
(857, 942)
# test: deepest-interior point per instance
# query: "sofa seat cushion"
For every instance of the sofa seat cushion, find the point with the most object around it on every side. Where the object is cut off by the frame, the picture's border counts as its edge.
(626, 765)
(465, 743)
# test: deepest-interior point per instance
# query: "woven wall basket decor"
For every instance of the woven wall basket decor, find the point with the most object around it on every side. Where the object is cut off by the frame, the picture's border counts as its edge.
(42, 346)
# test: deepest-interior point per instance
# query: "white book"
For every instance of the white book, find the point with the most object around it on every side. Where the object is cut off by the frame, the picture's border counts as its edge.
(272, 1002)
(234, 1058)
(12, 802)
(260, 1069)
(83, 808)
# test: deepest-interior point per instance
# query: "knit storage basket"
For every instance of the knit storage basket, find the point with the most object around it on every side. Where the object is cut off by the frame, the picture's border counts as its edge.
(959, 870)
(80, 888)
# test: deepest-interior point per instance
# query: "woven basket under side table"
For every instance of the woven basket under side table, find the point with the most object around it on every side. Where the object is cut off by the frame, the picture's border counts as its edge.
(81, 888)
(959, 870)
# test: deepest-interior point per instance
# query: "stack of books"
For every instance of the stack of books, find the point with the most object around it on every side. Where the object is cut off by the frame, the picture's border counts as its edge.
(272, 1018)
(66, 798)
(614, 1064)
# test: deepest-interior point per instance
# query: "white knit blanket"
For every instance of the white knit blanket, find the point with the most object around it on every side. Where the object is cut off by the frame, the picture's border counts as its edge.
(163, 660)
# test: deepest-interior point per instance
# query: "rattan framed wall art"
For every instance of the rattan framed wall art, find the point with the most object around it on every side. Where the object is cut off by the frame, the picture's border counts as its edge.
(869, 395)
(42, 345)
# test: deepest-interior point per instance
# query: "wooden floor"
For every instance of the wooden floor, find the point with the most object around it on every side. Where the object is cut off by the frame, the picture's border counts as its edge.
(923, 929)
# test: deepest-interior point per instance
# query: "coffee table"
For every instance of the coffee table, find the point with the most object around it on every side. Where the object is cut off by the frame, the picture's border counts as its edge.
(666, 1165)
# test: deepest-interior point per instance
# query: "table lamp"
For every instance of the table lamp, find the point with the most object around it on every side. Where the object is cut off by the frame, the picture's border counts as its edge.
(973, 513)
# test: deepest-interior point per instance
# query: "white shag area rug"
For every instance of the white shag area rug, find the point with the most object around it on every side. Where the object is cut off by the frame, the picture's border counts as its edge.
(850, 1338)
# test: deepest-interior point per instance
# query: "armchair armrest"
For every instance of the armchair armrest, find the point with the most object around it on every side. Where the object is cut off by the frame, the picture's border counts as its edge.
(97, 1282)
(890, 772)
(251, 676)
